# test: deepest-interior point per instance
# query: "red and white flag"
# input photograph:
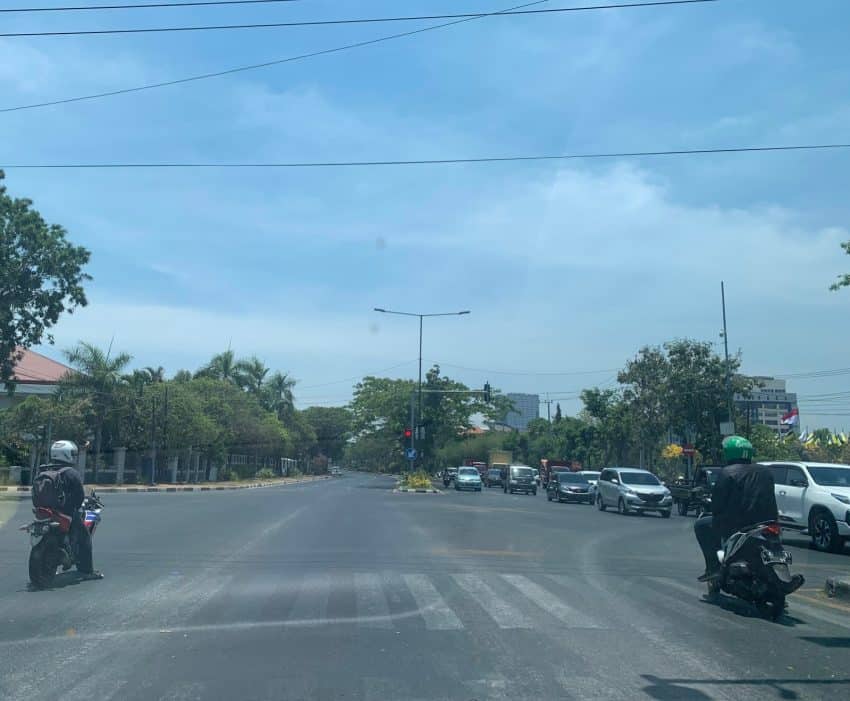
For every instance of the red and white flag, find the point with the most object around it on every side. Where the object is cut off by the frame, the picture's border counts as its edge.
(792, 418)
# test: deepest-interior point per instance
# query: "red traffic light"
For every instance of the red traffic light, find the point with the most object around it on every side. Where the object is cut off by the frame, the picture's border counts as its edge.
(408, 432)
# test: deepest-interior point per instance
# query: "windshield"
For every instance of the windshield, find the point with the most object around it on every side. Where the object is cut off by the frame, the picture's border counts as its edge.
(571, 478)
(521, 472)
(639, 478)
(591, 475)
(468, 471)
(831, 476)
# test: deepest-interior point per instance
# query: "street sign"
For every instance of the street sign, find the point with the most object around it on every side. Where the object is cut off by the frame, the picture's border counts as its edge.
(410, 453)
(688, 450)
(727, 428)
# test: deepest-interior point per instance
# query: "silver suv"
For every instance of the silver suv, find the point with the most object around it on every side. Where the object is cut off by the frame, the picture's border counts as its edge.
(630, 489)
(814, 497)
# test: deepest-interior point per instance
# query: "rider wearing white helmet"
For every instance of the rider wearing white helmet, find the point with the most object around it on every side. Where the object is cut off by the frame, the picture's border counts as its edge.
(63, 458)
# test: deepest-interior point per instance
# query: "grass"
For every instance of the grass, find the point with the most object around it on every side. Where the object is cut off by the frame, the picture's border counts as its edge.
(417, 480)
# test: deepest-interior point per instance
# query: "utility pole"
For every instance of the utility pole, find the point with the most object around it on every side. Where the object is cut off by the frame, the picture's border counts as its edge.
(726, 352)
(412, 432)
(419, 400)
(153, 439)
(548, 403)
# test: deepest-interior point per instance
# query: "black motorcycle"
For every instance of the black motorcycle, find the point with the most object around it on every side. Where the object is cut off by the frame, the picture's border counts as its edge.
(755, 567)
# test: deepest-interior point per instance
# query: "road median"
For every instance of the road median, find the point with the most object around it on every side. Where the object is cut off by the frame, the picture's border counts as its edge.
(838, 588)
(173, 488)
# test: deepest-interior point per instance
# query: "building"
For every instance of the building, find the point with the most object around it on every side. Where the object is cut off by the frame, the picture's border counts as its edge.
(767, 403)
(34, 375)
(526, 408)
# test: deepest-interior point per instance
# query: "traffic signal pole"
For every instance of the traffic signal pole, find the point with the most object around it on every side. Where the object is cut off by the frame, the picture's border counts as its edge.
(412, 435)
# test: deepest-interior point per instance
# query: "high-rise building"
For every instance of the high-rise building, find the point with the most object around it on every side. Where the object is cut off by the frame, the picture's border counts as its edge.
(526, 408)
(766, 403)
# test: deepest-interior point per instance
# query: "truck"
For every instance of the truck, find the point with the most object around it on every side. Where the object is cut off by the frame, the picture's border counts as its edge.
(499, 460)
(479, 465)
(550, 465)
(695, 492)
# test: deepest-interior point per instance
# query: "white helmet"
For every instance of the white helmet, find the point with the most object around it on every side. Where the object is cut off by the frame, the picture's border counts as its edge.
(64, 452)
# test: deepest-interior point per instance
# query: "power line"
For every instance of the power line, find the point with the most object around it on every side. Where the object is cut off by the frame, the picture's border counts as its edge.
(366, 20)
(141, 6)
(433, 161)
(255, 66)
(358, 377)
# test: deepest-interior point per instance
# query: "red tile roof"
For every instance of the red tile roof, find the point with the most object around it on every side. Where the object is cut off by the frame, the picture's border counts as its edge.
(36, 368)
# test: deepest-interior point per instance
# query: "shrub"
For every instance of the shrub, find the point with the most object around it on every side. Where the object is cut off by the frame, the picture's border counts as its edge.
(266, 473)
(417, 480)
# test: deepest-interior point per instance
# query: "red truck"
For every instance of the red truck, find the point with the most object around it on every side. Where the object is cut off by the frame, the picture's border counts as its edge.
(478, 465)
(549, 465)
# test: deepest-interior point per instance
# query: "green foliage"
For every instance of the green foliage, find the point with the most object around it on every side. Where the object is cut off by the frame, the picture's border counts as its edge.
(331, 427)
(477, 447)
(417, 480)
(266, 473)
(41, 276)
(769, 446)
(843, 280)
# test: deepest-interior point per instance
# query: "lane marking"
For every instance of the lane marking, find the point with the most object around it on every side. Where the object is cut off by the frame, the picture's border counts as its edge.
(505, 615)
(550, 603)
(311, 603)
(372, 608)
(435, 611)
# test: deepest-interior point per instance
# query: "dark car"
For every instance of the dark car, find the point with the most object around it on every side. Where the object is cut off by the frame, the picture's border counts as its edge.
(519, 478)
(569, 486)
(493, 477)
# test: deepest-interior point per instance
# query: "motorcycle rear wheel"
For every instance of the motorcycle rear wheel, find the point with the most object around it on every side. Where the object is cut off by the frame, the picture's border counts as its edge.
(772, 609)
(44, 559)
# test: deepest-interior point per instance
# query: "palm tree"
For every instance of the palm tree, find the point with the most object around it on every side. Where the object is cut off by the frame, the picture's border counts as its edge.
(251, 374)
(99, 376)
(222, 366)
(278, 394)
(155, 374)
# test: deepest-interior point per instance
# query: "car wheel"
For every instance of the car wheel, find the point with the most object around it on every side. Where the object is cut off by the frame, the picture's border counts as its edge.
(665, 514)
(548, 496)
(824, 532)
(534, 492)
(683, 508)
(622, 509)
(600, 504)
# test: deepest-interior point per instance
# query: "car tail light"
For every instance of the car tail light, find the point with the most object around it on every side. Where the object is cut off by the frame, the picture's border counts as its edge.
(773, 529)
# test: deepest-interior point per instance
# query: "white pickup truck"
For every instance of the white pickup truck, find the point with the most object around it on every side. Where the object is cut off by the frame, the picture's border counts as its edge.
(814, 497)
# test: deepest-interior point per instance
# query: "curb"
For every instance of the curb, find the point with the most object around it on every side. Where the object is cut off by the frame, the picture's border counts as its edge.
(24, 491)
(405, 490)
(838, 588)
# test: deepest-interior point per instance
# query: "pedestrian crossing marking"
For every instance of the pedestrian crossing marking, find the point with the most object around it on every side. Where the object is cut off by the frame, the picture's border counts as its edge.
(505, 615)
(372, 608)
(550, 602)
(432, 607)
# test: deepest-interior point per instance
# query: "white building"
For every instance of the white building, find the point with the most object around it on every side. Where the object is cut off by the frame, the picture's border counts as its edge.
(526, 408)
(767, 403)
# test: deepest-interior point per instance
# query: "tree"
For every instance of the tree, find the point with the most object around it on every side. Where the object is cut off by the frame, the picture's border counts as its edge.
(332, 426)
(278, 395)
(182, 376)
(155, 374)
(558, 415)
(647, 393)
(97, 377)
(380, 410)
(41, 276)
(222, 366)
(251, 374)
(843, 280)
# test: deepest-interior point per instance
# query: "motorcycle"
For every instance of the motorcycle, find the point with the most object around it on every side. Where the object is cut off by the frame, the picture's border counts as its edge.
(755, 567)
(51, 544)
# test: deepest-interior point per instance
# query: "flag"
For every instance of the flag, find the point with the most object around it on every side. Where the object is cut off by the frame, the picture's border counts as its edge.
(792, 418)
(843, 438)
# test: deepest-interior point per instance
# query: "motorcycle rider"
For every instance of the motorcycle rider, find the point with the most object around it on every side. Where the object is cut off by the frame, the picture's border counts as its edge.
(63, 458)
(742, 496)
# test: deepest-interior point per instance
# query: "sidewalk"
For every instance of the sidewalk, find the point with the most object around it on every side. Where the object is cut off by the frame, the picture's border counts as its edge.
(201, 487)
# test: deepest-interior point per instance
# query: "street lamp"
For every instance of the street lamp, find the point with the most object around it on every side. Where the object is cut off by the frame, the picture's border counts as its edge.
(421, 317)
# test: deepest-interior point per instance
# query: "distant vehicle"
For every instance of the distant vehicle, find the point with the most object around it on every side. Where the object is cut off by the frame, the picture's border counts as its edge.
(630, 489)
(814, 497)
(479, 465)
(518, 478)
(536, 476)
(591, 476)
(569, 486)
(335, 471)
(448, 475)
(493, 477)
(548, 467)
(468, 478)
(696, 492)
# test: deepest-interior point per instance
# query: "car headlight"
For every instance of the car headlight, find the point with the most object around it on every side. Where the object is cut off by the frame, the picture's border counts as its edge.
(631, 492)
(841, 498)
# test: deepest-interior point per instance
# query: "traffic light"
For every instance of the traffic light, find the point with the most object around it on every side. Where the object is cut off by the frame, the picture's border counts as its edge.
(487, 392)
(408, 432)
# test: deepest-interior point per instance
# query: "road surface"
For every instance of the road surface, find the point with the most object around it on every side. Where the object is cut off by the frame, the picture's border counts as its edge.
(344, 590)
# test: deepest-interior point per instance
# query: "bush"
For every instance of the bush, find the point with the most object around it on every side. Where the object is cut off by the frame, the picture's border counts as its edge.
(266, 473)
(417, 480)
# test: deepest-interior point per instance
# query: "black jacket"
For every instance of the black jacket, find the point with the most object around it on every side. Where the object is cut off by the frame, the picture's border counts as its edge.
(72, 485)
(742, 496)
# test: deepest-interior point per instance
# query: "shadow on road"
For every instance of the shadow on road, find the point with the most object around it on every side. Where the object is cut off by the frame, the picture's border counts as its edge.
(62, 580)
(682, 689)
(825, 641)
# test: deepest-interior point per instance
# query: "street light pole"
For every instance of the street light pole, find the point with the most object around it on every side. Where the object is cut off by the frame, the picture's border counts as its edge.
(421, 318)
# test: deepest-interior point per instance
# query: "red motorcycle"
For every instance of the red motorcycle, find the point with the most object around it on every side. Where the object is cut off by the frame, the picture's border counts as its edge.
(52, 546)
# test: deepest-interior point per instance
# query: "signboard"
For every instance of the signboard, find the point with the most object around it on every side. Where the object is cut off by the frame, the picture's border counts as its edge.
(410, 453)
(688, 449)
(727, 428)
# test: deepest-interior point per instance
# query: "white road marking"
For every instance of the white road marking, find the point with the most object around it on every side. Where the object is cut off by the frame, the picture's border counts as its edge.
(550, 603)
(435, 611)
(371, 602)
(505, 615)
(311, 603)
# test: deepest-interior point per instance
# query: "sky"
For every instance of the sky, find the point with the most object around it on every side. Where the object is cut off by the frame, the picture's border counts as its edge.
(568, 267)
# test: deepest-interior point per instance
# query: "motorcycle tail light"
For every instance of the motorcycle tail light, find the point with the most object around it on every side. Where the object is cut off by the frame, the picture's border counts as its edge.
(773, 529)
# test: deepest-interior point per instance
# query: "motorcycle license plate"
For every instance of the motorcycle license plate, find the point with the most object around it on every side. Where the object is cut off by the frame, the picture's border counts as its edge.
(775, 558)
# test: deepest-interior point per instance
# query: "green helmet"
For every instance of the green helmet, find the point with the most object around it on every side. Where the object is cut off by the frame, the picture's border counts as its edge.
(737, 449)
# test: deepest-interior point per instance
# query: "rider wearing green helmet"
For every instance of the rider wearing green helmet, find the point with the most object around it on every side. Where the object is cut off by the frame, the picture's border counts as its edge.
(743, 495)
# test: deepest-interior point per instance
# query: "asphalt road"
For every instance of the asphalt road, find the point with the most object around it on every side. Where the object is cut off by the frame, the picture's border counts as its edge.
(344, 590)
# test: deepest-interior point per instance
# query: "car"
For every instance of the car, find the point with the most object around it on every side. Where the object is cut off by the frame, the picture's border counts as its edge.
(518, 478)
(630, 489)
(468, 478)
(536, 476)
(592, 476)
(335, 471)
(493, 477)
(569, 486)
(814, 497)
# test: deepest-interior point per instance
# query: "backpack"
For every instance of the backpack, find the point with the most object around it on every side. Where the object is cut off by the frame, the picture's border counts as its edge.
(48, 491)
